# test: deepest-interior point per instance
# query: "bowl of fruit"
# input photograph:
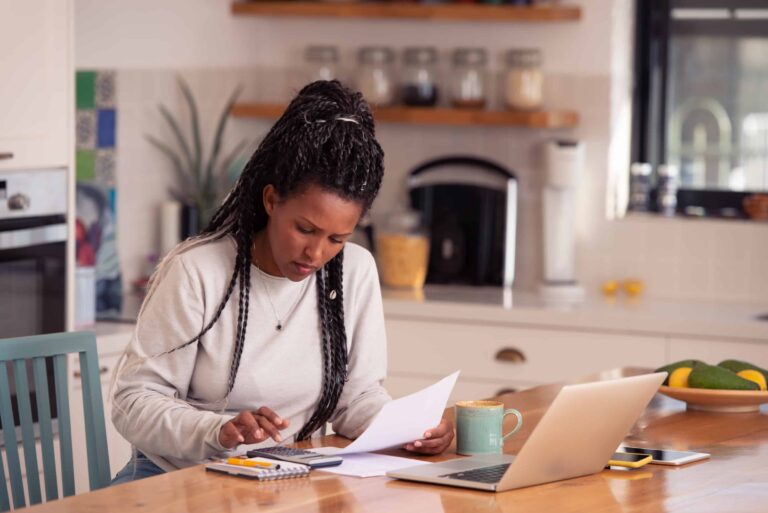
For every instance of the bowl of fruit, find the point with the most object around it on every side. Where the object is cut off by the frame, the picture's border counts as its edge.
(731, 386)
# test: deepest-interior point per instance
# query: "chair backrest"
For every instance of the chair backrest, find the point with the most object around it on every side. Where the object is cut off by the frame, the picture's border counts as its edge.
(18, 353)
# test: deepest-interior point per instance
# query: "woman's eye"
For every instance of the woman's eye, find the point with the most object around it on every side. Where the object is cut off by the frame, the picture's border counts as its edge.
(304, 230)
(336, 241)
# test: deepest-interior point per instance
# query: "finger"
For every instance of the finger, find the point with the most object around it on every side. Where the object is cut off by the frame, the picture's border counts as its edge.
(269, 428)
(440, 430)
(248, 426)
(273, 417)
(229, 435)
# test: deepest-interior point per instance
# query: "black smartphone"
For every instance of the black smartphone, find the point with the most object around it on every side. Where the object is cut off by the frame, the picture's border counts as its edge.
(666, 456)
(628, 459)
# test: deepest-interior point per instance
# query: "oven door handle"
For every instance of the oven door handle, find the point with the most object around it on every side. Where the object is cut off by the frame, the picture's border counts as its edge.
(28, 237)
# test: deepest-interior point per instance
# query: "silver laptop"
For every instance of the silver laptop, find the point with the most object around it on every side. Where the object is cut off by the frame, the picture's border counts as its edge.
(575, 437)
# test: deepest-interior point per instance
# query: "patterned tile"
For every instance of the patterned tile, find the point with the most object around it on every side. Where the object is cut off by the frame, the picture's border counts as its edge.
(105, 167)
(85, 89)
(106, 89)
(106, 121)
(85, 130)
(85, 165)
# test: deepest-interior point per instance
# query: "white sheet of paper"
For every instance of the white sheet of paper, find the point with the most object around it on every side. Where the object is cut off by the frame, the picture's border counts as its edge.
(402, 420)
(370, 465)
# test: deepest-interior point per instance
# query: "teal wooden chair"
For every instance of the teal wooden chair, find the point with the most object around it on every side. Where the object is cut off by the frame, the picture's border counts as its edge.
(19, 352)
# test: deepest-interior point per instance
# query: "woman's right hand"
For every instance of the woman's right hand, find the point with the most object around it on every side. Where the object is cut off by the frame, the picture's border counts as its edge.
(252, 427)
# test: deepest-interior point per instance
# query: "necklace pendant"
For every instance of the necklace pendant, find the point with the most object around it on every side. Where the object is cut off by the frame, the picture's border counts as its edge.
(279, 326)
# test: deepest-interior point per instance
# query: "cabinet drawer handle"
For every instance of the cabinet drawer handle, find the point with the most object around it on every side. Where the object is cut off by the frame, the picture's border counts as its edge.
(102, 370)
(503, 391)
(510, 355)
(6, 155)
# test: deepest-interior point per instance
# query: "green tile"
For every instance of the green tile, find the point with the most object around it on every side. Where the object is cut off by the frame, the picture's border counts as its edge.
(85, 165)
(85, 86)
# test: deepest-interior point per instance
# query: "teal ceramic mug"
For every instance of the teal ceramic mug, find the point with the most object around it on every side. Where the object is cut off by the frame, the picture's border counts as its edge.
(479, 427)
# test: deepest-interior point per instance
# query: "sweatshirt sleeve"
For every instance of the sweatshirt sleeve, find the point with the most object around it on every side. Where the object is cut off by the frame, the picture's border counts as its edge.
(150, 406)
(363, 394)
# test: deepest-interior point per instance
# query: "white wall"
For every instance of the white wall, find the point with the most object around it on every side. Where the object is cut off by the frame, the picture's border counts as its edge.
(588, 65)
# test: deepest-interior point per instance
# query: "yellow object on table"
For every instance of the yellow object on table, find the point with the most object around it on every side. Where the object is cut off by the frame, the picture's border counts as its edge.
(402, 259)
(633, 287)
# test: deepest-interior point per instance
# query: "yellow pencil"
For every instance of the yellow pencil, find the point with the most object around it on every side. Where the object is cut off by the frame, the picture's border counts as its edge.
(252, 463)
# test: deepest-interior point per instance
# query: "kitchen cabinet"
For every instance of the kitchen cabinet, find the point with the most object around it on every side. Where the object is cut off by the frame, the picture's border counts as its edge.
(713, 351)
(110, 348)
(36, 88)
(498, 357)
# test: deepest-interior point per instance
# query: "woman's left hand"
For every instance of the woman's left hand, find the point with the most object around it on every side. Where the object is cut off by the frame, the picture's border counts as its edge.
(435, 440)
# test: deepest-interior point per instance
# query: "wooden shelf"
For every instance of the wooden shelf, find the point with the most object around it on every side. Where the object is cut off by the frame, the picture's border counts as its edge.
(437, 116)
(404, 10)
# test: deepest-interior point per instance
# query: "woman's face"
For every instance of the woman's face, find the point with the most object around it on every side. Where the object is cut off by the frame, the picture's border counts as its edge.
(307, 229)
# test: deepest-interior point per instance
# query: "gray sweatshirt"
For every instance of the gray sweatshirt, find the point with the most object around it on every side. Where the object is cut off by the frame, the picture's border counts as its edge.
(171, 406)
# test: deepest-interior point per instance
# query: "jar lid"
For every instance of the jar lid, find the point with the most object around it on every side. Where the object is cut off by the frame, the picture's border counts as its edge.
(470, 56)
(320, 53)
(375, 55)
(524, 57)
(640, 169)
(420, 55)
(403, 221)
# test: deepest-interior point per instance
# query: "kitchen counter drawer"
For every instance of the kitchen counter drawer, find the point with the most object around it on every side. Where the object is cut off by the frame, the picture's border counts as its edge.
(508, 354)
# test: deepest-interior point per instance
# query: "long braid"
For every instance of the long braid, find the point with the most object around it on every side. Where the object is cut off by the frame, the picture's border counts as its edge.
(325, 137)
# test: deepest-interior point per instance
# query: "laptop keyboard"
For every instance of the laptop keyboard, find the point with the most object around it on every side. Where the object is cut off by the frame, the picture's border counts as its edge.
(482, 475)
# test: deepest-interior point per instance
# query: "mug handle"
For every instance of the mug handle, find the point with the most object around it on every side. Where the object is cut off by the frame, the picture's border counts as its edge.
(519, 424)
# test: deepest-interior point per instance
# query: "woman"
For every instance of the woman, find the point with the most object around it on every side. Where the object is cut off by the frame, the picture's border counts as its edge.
(268, 324)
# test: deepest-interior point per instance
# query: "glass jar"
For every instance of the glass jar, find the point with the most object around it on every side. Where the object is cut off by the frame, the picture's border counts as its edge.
(523, 81)
(321, 62)
(420, 77)
(374, 77)
(468, 86)
(402, 250)
(639, 186)
(666, 189)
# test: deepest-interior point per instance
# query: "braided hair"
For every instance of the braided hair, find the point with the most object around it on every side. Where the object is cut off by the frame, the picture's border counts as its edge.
(326, 138)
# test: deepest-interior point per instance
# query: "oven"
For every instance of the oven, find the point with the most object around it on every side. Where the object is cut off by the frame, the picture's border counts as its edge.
(33, 260)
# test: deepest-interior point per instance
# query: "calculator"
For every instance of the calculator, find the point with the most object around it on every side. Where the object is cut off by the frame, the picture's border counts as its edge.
(313, 459)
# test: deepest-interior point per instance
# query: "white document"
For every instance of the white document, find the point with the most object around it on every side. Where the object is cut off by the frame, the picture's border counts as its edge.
(402, 420)
(371, 465)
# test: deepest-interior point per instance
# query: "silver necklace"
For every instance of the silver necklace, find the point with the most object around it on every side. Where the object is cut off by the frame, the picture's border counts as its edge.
(280, 321)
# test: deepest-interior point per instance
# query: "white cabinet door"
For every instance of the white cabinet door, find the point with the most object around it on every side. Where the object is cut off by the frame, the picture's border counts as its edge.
(510, 355)
(36, 84)
(714, 351)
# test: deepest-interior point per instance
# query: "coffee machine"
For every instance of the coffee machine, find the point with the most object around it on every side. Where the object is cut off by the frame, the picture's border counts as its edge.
(469, 206)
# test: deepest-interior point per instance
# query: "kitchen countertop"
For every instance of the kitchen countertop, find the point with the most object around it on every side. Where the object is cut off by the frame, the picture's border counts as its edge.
(492, 305)
(642, 315)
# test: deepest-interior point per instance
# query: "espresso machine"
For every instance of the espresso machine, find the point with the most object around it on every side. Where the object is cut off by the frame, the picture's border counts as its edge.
(469, 206)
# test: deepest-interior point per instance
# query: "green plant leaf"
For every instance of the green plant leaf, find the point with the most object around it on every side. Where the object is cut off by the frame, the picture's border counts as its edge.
(195, 127)
(180, 139)
(223, 178)
(177, 165)
(216, 148)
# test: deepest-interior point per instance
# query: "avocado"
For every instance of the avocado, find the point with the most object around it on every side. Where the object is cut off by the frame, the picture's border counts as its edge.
(672, 366)
(712, 376)
(738, 366)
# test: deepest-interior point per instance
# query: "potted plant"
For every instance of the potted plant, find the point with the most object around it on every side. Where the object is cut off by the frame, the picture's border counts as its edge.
(200, 182)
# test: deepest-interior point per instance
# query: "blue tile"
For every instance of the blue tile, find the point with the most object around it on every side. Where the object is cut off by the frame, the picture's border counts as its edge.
(106, 124)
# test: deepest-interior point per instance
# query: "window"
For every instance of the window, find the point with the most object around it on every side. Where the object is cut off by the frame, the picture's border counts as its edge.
(701, 98)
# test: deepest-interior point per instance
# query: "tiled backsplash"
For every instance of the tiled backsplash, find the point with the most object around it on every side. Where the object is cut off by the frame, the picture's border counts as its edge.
(677, 258)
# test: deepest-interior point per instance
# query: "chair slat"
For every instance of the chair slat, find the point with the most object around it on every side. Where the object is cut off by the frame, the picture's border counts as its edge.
(98, 467)
(27, 431)
(46, 427)
(65, 427)
(9, 436)
(5, 504)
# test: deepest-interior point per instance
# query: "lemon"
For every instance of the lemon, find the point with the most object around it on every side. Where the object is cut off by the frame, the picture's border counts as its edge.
(753, 375)
(679, 377)
(633, 287)
(610, 287)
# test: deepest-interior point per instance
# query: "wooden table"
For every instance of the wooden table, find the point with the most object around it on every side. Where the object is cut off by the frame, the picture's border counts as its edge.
(734, 480)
